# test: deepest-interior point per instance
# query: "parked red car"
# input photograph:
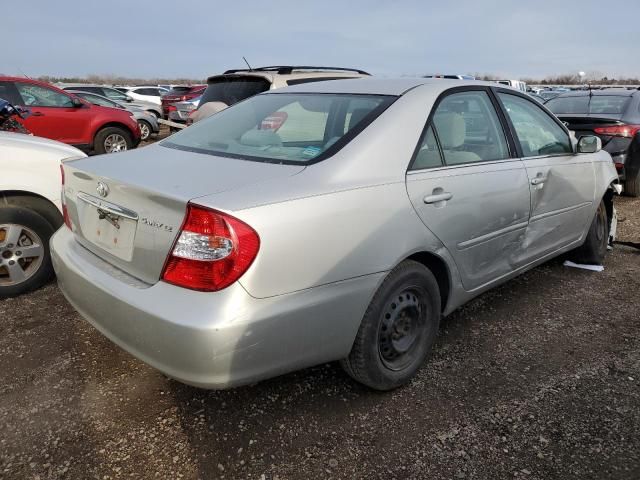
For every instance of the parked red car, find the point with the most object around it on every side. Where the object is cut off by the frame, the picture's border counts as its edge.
(180, 94)
(61, 116)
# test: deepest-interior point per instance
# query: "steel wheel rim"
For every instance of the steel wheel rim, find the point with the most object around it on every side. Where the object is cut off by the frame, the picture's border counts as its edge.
(115, 143)
(21, 254)
(401, 330)
(144, 130)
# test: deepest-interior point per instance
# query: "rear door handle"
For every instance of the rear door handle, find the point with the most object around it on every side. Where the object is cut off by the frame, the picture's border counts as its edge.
(538, 180)
(438, 197)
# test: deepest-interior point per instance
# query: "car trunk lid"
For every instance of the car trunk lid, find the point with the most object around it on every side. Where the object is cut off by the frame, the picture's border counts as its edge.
(127, 208)
(585, 124)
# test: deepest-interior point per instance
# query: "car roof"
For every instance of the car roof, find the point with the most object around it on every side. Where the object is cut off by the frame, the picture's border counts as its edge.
(380, 86)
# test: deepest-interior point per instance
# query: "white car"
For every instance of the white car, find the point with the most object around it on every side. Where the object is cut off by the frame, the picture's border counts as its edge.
(146, 93)
(30, 208)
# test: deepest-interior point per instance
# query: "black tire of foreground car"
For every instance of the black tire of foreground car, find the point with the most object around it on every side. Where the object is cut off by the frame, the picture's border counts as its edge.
(594, 249)
(398, 329)
(107, 136)
(34, 271)
(632, 186)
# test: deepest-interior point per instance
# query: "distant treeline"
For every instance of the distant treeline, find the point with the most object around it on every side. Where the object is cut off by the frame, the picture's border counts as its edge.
(118, 80)
(569, 79)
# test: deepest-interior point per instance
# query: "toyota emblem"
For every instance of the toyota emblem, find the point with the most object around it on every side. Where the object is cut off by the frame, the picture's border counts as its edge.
(102, 189)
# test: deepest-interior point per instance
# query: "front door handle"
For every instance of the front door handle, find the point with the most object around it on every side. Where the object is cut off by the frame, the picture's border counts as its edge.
(438, 197)
(37, 114)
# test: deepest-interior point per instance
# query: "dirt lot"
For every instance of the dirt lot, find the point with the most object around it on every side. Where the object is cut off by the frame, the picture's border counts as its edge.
(538, 379)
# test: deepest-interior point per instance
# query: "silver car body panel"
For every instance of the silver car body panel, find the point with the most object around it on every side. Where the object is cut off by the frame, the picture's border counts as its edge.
(329, 234)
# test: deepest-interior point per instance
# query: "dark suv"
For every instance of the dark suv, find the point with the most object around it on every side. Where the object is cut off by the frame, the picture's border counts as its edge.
(613, 115)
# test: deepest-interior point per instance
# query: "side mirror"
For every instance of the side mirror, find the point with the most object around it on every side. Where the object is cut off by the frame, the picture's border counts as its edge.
(589, 144)
(129, 99)
(77, 103)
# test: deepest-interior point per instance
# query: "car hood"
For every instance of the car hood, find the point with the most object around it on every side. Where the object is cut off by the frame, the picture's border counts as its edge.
(9, 139)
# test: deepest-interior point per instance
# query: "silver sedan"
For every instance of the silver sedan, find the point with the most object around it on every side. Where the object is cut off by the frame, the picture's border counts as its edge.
(147, 121)
(325, 221)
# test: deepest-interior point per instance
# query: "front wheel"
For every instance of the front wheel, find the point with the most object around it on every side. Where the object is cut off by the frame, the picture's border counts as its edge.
(594, 248)
(398, 329)
(112, 139)
(25, 260)
(145, 129)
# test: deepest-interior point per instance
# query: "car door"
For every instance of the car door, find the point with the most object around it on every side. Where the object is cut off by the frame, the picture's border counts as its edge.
(53, 114)
(469, 187)
(562, 183)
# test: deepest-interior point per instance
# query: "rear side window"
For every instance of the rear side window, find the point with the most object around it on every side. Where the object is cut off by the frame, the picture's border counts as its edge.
(538, 134)
(468, 129)
(230, 90)
(38, 96)
(282, 128)
(9, 93)
(428, 155)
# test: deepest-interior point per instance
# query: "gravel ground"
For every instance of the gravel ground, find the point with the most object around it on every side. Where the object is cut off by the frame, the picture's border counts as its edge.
(537, 379)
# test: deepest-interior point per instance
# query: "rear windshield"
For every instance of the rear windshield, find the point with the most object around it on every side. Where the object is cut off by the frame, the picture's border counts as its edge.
(588, 104)
(230, 90)
(283, 128)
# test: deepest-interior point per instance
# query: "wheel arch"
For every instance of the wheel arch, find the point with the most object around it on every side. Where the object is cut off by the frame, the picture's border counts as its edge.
(440, 271)
(33, 201)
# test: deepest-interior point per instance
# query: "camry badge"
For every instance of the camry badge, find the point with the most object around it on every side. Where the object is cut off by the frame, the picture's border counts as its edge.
(102, 189)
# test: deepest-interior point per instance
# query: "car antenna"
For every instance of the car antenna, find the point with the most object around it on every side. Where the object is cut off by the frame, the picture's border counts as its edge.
(24, 74)
(245, 61)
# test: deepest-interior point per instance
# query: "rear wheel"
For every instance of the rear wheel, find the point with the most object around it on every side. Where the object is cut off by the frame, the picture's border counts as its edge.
(594, 248)
(25, 260)
(632, 186)
(112, 139)
(398, 329)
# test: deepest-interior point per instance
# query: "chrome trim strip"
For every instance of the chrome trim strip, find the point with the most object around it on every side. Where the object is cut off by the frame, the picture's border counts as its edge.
(542, 216)
(108, 207)
(490, 236)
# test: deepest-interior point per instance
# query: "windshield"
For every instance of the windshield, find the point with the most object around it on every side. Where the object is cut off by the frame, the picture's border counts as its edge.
(283, 128)
(588, 104)
(230, 90)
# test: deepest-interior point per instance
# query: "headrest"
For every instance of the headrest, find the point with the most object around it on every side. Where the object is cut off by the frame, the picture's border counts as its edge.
(451, 128)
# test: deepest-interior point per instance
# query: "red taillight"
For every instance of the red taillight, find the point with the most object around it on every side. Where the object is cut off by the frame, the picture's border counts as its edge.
(171, 108)
(183, 98)
(212, 251)
(65, 212)
(628, 131)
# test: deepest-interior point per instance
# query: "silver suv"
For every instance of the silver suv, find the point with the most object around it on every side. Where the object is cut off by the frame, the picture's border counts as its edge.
(236, 85)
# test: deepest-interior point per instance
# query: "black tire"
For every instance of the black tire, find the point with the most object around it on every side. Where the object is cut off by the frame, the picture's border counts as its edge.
(37, 276)
(398, 329)
(144, 123)
(102, 135)
(632, 185)
(594, 248)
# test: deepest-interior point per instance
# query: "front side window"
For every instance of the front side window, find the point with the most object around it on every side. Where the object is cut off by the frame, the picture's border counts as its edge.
(38, 96)
(537, 132)
(282, 128)
(469, 129)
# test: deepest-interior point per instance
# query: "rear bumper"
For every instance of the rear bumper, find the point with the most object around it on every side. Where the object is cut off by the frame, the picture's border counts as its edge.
(211, 340)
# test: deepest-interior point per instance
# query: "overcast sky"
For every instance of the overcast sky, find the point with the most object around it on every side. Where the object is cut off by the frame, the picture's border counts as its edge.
(196, 38)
